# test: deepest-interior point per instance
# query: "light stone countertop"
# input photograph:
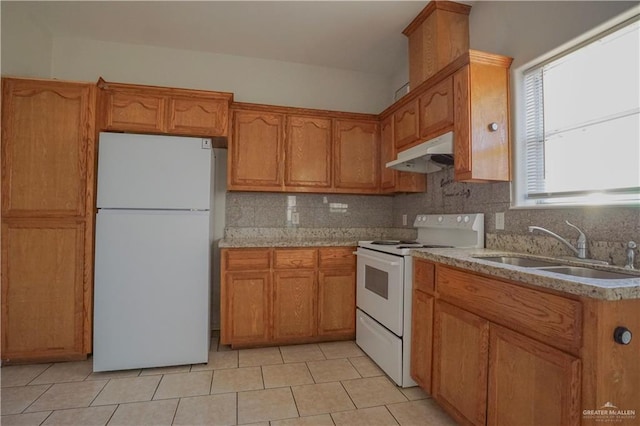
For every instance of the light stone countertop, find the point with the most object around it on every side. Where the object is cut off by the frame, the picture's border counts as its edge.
(605, 289)
(287, 242)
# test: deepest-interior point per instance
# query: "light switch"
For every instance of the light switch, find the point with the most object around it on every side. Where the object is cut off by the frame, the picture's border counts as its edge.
(295, 218)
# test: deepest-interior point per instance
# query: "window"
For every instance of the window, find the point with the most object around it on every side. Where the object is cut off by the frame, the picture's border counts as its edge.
(580, 143)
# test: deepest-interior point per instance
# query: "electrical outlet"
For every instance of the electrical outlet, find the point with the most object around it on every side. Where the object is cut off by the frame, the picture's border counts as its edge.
(295, 218)
(404, 220)
(500, 221)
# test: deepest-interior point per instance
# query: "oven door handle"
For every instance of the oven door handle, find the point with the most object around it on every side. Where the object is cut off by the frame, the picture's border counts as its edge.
(376, 259)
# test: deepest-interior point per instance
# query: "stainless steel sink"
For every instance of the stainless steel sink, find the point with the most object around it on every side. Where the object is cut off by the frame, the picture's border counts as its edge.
(518, 261)
(579, 271)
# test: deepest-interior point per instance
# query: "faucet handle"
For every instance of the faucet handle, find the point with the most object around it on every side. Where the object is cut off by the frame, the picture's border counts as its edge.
(581, 238)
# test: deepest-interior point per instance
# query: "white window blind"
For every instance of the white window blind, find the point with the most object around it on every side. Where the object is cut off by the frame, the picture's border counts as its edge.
(582, 126)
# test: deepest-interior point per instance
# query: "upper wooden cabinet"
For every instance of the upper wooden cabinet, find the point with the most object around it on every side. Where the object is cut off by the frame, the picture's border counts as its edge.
(299, 150)
(481, 119)
(308, 156)
(151, 109)
(48, 157)
(255, 151)
(405, 125)
(436, 109)
(357, 162)
(391, 180)
(437, 36)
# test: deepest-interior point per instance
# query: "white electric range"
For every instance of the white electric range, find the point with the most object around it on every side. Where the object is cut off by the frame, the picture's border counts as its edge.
(384, 283)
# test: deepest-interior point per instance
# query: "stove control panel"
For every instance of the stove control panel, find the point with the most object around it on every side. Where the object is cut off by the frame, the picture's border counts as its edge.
(468, 221)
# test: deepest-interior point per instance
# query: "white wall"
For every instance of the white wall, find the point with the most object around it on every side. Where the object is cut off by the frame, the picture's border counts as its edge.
(526, 30)
(26, 48)
(250, 79)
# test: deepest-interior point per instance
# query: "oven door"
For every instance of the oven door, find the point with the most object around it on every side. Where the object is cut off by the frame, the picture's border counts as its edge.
(380, 287)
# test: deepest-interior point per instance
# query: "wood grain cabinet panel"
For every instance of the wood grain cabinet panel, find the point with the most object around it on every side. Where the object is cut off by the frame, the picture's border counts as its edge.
(255, 151)
(163, 110)
(47, 129)
(194, 116)
(481, 119)
(294, 305)
(246, 308)
(48, 158)
(356, 156)
(134, 112)
(460, 363)
(405, 126)
(308, 153)
(43, 287)
(297, 258)
(436, 110)
(336, 258)
(530, 383)
(337, 303)
(422, 339)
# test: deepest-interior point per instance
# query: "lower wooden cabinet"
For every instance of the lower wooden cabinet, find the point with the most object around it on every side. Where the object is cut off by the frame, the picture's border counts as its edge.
(421, 339)
(294, 305)
(491, 365)
(288, 295)
(43, 290)
(460, 360)
(530, 383)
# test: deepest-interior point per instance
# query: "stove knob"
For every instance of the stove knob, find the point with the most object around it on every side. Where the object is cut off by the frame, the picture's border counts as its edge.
(466, 219)
(459, 219)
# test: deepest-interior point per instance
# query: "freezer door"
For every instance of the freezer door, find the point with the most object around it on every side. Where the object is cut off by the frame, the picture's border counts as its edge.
(151, 298)
(153, 172)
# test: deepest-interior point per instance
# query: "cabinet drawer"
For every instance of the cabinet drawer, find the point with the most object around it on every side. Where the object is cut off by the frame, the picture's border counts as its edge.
(246, 259)
(424, 276)
(546, 317)
(294, 259)
(337, 257)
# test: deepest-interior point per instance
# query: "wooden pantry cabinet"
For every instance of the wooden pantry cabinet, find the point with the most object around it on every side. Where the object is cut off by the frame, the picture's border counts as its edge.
(287, 295)
(48, 157)
(163, 110)
(282, 149)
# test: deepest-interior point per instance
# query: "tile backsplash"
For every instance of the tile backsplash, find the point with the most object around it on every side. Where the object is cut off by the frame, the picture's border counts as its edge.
(608, 229)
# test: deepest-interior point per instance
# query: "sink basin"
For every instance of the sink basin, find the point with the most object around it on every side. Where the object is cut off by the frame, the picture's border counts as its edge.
(518, 261)
(578, 271)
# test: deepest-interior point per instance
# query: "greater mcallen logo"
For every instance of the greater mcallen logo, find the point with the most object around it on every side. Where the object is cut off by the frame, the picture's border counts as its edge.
(609, 413)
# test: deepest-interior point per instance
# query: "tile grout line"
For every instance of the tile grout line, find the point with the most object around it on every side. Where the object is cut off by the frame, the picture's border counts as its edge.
(34, 401)
(41, 373)
(175, 411)
(99, 392)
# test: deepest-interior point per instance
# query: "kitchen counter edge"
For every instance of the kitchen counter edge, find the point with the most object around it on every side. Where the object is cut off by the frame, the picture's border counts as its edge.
(588, 287)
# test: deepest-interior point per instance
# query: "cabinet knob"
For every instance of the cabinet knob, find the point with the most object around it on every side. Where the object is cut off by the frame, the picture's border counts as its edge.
(622, 335)
(493, 126)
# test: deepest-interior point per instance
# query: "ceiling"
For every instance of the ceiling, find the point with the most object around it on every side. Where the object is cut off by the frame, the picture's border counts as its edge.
(354, 35)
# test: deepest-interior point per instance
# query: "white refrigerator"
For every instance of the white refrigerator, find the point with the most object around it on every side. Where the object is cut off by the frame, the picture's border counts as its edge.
(152, 251)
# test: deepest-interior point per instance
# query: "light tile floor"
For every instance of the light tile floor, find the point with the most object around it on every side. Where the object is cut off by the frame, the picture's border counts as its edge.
(303, 385)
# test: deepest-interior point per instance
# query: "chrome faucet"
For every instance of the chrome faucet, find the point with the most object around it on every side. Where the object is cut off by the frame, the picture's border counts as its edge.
(631, 253)
(580, 251)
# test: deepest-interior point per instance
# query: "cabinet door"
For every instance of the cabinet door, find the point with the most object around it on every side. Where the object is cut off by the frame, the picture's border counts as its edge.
(531, 383)
(47, 133)
(387, 153)
(405, 125)
(356, 156)
(421, 339)
(460, 363)
(198, 117)
(480, 102)
(337, 302)
(294, 302)
(42, 289)
(308, 153)
(134, 111)
(255, 151)
(246, 309)
(436, 110)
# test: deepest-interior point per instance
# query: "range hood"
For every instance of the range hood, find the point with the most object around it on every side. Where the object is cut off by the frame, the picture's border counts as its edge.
(419, 158)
